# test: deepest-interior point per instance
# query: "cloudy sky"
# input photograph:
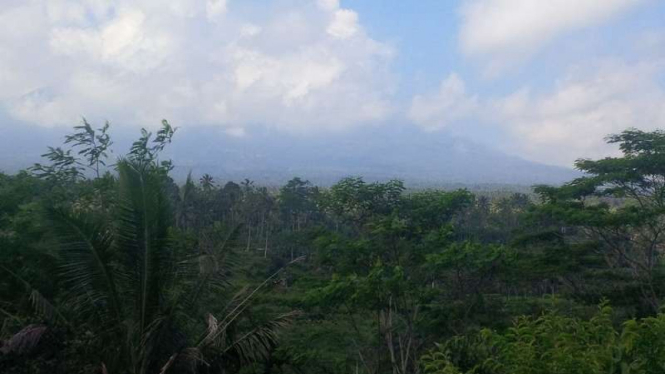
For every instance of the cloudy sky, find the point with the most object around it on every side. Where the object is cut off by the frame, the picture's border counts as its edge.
(545, 80)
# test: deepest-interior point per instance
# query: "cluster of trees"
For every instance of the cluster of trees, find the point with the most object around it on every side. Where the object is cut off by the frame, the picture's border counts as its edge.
(109, 266)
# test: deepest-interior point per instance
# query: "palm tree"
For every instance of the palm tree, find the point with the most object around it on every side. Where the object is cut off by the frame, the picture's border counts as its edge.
(186, 215)
(140, 297)
(207, 182)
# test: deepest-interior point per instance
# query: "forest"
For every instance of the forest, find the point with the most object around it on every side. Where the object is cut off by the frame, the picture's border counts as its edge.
(108, 265)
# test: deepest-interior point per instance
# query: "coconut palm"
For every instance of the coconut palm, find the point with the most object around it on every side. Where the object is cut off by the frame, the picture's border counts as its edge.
(207, 182)
(140, 297)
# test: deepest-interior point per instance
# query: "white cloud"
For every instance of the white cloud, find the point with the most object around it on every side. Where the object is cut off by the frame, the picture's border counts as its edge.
(572, 120)
(560, 125)
(302, 68)
(344, 24)
(513, 29)
(215, 8)
(237, 132)
(329, 5)
(439, 109)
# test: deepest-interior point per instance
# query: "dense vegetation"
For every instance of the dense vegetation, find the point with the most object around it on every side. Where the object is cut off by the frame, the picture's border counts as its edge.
(109, 266)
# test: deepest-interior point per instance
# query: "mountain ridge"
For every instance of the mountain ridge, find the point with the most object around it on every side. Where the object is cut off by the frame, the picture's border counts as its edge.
(273, 157)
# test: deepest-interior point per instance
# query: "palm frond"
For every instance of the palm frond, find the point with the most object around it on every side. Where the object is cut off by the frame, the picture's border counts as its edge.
(239, 303)
(187, 359)
(242, 305)
(25, 341)
(87, 265)
(199, 274)
(42, 306)
(257, 343)
(142, 236)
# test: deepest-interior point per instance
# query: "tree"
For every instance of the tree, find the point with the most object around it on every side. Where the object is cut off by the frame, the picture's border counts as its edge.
(92, 145)
(95, 145)
(144, 300)
(207, 182)
(352, 201)
(620, 205)
(297, 200)
(378, 264)
(556, 344)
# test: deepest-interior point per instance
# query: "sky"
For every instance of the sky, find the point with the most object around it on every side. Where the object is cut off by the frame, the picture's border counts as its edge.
(544, 80)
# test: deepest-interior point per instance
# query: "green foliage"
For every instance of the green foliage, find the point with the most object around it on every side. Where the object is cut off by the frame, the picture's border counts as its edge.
(553, 344)
(433, 209)
(94, 144)
(618, 205)
(109, 265)
(67, 165)
(124, 282)
(146, 150)
(354, 201)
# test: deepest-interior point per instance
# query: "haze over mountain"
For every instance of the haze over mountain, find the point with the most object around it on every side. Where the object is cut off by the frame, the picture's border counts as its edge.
(272, 157)
(374, 153)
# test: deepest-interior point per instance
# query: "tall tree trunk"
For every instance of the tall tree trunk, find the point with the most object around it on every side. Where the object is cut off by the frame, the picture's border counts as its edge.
(249, 237)
(265, 252)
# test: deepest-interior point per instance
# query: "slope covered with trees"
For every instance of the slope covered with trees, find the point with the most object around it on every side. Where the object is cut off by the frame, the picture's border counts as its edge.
(108, 266)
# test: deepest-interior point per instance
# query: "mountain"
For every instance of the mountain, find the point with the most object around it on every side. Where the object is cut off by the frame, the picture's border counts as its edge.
(378, 153)
(273, 157)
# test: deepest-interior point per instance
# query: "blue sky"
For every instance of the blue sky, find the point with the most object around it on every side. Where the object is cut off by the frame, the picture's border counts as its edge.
(544, 80)
(426, 33)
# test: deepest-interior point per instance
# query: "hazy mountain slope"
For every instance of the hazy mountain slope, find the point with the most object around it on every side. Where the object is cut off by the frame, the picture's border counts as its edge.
(417, 157)
(274, 157)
